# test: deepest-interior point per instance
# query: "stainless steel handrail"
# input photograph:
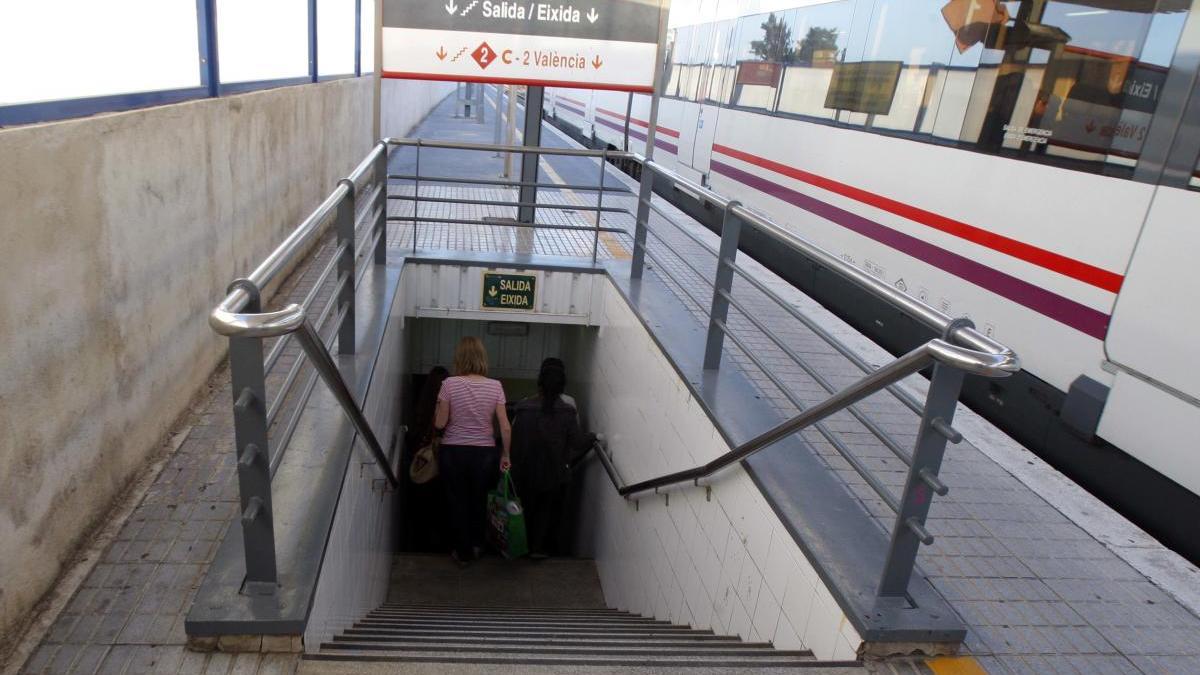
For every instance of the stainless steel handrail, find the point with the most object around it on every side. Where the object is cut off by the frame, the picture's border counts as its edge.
(936, 350)
(292, 319)
(519, 149)
(289, 248)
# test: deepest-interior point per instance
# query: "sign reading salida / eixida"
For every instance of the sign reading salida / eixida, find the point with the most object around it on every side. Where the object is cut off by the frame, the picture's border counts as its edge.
(509, 291)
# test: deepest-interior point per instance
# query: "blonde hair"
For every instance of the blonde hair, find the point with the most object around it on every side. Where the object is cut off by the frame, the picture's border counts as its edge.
(470, 358)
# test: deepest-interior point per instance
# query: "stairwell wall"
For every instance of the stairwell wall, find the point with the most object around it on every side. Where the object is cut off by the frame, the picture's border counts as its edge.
(723, 562)
(118, 234)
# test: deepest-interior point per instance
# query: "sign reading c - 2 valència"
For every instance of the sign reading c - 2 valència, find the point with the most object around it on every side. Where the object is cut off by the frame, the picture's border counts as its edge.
(594, 44)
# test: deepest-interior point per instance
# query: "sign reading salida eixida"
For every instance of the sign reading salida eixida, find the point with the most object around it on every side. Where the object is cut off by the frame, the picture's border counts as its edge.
(509, 291)
(594, 44)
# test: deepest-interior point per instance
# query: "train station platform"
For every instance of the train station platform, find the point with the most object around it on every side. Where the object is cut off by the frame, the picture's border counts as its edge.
(1042, 577)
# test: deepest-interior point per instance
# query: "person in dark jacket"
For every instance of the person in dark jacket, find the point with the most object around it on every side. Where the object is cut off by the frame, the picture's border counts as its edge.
(545, 438)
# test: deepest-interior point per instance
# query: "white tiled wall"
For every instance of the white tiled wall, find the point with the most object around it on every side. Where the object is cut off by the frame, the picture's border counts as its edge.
(727, 563)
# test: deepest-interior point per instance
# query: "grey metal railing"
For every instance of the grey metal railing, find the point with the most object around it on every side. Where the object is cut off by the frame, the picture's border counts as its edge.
(530, 207)
(357, 209)
(960, 350)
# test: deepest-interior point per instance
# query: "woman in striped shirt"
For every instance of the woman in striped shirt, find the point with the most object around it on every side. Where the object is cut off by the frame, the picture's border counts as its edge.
(468, 456)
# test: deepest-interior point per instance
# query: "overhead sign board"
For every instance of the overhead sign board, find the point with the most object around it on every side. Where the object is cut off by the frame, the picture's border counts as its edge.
(596, 44)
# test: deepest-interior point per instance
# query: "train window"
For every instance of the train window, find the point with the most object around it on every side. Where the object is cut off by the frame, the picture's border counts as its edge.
(1070, 83)
(819, 39)
(721, 68)
(679, 44)
(702, 39)
(765, 46)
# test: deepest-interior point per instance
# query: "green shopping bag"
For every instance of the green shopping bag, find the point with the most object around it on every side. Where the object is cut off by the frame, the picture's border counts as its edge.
(506, 520)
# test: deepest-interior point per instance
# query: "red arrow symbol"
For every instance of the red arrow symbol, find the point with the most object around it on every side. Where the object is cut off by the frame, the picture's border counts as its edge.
(596, 62)
(441, 53)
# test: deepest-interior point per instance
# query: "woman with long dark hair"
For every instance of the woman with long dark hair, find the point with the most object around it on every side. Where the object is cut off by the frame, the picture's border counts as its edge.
(546, 435)
(424, 505)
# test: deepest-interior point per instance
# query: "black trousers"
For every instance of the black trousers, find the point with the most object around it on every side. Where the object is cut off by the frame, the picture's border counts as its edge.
(468, 472)
(543, 509)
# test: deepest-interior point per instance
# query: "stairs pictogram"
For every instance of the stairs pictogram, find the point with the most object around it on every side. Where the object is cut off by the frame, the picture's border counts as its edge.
(459, 55)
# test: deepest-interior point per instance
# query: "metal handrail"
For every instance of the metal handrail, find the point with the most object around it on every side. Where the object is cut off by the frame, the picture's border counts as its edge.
(292, 319)
(936, 350)
(519, 149)
(286, 252)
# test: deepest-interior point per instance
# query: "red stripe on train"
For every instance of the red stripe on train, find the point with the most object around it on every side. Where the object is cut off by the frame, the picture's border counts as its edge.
(1090, 274)
(641, 123)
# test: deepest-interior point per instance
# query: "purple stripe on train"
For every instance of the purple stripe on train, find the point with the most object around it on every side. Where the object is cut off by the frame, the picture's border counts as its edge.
(1064, 310)
(634, 133)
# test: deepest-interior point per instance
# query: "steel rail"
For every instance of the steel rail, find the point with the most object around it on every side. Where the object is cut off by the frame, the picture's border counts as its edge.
(498, 202)
(290, 378)
(468, 221)
(306, 303)
(292, 319)
(520, 149)
(936, 350)
(508, 183)
(837, 443)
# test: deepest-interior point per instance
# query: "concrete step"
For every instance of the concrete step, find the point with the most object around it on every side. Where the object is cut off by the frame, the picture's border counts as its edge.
(467, 631)
(522, 616)
(755, 650)
(333, 667)
(503, 636)
(518, 623)
(463, 609)
(713, 641)
(768, 660)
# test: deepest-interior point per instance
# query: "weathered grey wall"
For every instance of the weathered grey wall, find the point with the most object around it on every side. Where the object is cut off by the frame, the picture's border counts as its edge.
(117, 235)
(404, 103)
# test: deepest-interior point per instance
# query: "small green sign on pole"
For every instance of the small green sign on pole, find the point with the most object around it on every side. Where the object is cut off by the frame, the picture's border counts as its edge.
(509, 291)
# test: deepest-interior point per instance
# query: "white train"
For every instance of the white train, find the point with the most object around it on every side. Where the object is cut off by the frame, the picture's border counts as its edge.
(1031, 165)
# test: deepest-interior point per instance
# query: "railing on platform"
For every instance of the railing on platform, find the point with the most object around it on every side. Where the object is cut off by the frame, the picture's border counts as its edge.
(960, 349)
(417, 178)
(357, 207)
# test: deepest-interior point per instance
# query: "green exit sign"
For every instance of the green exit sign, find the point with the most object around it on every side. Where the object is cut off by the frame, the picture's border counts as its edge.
(509, 291)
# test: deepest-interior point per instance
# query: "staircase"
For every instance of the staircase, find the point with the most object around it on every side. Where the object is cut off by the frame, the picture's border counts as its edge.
(400, 633)
(525, 617)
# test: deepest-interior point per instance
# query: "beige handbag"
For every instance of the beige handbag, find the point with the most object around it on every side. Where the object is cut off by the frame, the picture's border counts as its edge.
(424, 467)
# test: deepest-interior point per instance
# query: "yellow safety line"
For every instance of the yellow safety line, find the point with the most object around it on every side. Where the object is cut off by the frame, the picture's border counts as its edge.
(955, 665)
(614, 247)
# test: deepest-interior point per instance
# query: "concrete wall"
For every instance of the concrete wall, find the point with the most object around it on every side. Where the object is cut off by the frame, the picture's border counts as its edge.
(404, 103)
(118, 233)
(724, 563)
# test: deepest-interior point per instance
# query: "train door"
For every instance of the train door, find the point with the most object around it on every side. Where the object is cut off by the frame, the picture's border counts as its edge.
(1154, 405)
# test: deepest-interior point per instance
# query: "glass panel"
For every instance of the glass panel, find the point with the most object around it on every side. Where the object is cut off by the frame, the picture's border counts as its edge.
(367, 20)
(722, 69)
(335, 37)
(84, 48)
(765, 45)
(680, 47)
(262, 40)
(1071, 83)
(822, 33)
(1194, 181)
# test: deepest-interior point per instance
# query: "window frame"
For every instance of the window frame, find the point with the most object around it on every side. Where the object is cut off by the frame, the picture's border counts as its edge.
(208, 61)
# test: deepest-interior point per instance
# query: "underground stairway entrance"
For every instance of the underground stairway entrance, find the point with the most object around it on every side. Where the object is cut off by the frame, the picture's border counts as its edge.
(705, 528)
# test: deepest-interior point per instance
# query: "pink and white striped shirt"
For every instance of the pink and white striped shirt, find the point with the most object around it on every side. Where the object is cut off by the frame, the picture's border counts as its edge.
(472, 402)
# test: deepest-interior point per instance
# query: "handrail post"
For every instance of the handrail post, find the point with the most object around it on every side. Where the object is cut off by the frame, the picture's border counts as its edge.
(416, 195)
(909, 533)
(253, 461)
(599, 205)
(731, 230)
(381, 203)
(345, 239)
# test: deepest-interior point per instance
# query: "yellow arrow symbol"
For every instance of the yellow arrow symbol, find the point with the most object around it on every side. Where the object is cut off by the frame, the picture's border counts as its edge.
(492, 291)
